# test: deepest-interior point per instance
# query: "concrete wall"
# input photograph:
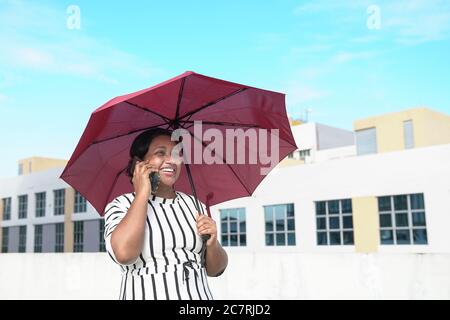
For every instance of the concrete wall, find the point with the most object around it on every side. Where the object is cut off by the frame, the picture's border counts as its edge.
(436, 128)
(248, 276)
(13, 245)
(330, 137)
(305, 136)
(366, 224)
(335, 153)
(48, 237)
(91, 236)
(68, 224)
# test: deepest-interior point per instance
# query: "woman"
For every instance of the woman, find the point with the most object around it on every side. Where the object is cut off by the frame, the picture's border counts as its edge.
(156, 237)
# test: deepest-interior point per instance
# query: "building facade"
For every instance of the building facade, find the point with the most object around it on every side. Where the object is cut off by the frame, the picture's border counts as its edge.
(382, 188)
(41, 213)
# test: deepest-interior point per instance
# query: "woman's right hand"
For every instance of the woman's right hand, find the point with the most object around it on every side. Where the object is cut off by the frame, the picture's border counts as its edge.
(141, 180)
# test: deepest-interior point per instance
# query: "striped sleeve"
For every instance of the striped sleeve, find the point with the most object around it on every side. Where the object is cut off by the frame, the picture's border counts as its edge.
(115, 211)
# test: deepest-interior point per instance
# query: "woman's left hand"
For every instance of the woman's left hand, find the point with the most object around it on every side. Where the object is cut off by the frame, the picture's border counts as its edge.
(206, 225)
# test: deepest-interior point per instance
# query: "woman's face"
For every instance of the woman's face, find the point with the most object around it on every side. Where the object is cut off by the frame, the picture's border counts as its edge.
(160, 155)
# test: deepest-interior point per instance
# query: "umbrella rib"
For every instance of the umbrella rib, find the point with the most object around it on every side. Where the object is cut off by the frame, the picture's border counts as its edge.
(209, 104)
(232, 170)
(180, 95)
(226, 124)
(148, 110)
(126, 134)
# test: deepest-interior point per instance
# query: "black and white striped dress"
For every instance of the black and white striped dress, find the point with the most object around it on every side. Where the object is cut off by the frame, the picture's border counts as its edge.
(170, 265)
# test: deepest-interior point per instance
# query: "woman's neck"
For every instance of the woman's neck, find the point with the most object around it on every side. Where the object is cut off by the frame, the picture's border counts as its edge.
(165, 192)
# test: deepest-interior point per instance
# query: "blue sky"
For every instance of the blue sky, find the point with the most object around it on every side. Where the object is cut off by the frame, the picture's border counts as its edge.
(320, 53)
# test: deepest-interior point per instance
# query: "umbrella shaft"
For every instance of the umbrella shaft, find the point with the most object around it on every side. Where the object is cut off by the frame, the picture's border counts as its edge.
(191, 181)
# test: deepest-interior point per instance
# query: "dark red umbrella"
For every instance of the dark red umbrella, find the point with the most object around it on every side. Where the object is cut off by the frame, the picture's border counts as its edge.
(97, 166)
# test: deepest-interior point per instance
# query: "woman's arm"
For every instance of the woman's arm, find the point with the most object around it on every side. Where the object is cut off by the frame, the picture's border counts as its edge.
(128, 237)
(216, 259)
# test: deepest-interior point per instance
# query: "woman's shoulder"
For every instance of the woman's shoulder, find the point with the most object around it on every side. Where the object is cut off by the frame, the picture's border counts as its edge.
(124, 199)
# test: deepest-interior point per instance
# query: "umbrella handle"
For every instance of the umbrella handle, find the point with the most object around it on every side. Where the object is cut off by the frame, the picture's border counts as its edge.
(199, 208)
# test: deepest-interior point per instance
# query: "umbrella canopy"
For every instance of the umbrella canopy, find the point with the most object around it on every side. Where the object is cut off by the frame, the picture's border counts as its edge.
(97, 167)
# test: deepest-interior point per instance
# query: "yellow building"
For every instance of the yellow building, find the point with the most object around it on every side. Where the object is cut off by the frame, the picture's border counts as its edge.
(36, 164)
(413, 128)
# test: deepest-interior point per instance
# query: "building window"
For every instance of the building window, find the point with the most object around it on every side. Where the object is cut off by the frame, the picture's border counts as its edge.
(366, 141)
(408, 134)
(78, 236)
(59, 237)
(280, 225)
(101, 238)
(40, 204)
(80, 203)
(59, 201)
(22, 238)
(6, 209)
(38, 238)
(23, 206)
(5, 239)
(233, 227)
(20, 169)
(334, 222)
(291, 155)
(304, 153)
(402, 219)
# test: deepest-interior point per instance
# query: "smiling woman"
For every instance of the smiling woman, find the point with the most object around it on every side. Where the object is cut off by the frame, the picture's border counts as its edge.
(154, 234)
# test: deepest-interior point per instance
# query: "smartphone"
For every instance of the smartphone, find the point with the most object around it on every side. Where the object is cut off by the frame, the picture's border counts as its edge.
(154, 177)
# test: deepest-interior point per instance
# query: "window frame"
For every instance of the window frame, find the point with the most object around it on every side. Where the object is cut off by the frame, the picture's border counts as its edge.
(80, 203)
(38, 235)
(41, 204)
(225, 214)
(78, 236)
(59, 201)
(274, 232)
(7, 208)
(59, 237)
(393, 212)
(22, 206)
(328, 216)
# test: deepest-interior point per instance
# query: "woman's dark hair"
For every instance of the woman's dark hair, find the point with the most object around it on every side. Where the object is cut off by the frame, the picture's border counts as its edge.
(140, 145)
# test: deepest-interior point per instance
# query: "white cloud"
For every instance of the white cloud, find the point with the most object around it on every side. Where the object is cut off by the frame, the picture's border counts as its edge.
(405, 21)
(366, 39)
(344, 57)
(417, 21)
(31, 57)
(297, 93)
(329, 5)
(39, 40)
(309, 49)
